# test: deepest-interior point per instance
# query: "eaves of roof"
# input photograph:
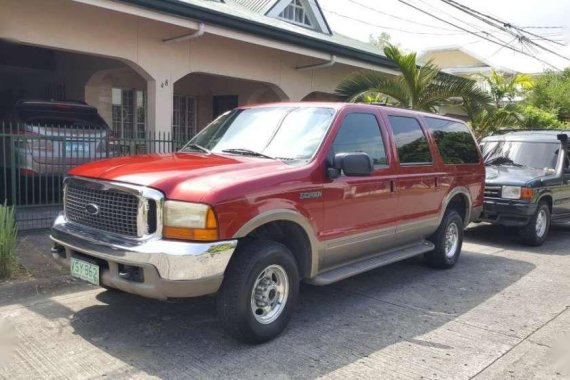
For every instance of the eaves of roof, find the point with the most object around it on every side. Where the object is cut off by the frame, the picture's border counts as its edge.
(208, 15)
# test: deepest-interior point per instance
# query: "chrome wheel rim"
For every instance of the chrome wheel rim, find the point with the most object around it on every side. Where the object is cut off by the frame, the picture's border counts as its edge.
(541, 223)
(269, 294)
(451, 240)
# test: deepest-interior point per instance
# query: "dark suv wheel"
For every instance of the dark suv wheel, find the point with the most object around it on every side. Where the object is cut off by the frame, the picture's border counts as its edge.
(259, 291)
(536, 231)
(448, 240)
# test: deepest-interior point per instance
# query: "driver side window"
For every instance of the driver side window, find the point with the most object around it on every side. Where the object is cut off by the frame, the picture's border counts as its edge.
(360, 132)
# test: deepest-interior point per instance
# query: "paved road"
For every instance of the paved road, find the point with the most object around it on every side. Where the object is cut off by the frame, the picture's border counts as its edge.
(502, 312)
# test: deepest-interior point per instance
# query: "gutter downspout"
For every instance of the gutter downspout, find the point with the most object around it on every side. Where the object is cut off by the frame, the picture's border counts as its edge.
(330, 63)
(185, 37)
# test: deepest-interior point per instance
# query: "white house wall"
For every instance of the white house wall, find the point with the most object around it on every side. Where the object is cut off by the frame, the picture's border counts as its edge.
(137, 41)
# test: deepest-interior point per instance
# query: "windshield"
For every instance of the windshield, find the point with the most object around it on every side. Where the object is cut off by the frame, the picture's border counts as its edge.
(517, 153)
(288, 133)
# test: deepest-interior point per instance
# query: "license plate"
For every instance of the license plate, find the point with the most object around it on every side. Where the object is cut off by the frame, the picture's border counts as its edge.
(85, 271)
(76, 148)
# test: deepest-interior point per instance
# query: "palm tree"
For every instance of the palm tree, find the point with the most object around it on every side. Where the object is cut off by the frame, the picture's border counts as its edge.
(417, 87)
(486, 119)
(506, 89)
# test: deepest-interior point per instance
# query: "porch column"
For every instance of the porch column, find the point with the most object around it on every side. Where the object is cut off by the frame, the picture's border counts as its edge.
(159, 103)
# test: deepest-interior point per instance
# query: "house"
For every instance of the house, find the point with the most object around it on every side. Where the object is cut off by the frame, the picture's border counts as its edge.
(171, 66)
(463, 63)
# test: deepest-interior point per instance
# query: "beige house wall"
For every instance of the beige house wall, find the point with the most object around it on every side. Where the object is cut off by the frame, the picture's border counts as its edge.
(134, 37)
(452, 59)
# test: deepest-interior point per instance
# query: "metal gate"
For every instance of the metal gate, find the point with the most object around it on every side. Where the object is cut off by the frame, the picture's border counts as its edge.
(35, 159)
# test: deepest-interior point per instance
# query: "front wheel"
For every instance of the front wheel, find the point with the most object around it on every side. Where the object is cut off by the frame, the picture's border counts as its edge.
(448, 240)
(259, 291)
(536, 231)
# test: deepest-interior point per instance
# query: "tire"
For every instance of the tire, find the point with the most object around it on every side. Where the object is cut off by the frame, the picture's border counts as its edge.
(270, 268)
(536, 231)
(445, 256)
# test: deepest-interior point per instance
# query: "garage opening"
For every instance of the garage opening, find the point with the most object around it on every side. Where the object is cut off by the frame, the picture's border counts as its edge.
(60, 109)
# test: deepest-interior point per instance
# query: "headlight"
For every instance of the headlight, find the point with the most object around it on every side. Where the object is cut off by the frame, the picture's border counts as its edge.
(511, 192)
(189, 221)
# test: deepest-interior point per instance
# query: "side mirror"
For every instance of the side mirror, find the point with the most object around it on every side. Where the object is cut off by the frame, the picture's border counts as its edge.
(354, 164)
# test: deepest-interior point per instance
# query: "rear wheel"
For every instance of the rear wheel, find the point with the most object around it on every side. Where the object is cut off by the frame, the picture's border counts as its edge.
(259, 291)
(448, 240)
(536, 231)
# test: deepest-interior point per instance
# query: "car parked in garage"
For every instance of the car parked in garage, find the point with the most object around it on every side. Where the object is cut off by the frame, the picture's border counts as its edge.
(267, 196)
(49, 137)
(40, 140)
(527, 182)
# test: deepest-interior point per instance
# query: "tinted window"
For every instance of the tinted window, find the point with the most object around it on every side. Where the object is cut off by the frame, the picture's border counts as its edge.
(410, 140)
(360, 132)
(454, 141)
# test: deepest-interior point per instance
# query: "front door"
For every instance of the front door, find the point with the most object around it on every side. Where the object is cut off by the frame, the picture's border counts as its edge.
(360, 212)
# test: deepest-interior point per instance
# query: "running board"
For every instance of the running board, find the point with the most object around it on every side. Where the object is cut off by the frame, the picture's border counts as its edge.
(365, 265)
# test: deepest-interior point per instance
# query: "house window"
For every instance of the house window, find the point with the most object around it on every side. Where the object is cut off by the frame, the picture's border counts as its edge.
(129, 113)
(295, 13)
(183, 118)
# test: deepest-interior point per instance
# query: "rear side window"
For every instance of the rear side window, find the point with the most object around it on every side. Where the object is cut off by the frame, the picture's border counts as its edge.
(454, 141)
(410, 140)
(360, 132)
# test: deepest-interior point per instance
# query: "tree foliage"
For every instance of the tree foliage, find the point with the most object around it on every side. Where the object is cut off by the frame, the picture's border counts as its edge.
(417, 87)
(552, 92)
(508, 89)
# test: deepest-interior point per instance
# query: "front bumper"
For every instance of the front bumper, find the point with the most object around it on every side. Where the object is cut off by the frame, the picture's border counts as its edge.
(510, 213)
(171, 269)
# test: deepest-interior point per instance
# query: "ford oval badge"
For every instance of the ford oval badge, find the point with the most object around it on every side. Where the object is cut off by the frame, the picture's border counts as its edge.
(92, 209)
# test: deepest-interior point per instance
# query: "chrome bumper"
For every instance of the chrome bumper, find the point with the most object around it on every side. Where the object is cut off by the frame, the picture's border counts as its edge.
(171, 268)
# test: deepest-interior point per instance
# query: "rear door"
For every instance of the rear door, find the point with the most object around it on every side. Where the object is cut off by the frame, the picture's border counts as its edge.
(360, 212)
(419, 196)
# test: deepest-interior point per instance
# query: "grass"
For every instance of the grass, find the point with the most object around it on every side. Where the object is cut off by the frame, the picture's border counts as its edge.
(8, 240)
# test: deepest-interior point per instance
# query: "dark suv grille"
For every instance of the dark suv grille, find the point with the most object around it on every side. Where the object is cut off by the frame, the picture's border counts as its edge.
(493, 191)
(117, 211)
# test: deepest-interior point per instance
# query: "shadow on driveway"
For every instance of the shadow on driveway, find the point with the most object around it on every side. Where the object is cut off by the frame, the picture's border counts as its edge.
(507, 238)
(333, 327)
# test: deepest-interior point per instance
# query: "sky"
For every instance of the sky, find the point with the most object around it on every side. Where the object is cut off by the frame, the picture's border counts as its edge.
(416, 31)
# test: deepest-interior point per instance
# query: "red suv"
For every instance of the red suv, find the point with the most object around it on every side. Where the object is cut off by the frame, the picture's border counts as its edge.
(267, 196)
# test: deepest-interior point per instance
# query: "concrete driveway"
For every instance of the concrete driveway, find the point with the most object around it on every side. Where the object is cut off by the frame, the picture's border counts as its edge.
(502, 312)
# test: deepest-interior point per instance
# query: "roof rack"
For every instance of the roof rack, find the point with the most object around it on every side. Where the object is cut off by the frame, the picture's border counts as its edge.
(509, 130)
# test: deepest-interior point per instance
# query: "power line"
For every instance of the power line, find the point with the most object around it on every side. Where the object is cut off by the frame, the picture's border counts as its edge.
(504, 26)
(501, 43)
(389, 27)
(397, 17)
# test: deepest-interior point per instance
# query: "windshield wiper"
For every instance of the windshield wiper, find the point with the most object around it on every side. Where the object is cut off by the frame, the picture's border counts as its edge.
(246, 152)
(196, 147)
(502, 160)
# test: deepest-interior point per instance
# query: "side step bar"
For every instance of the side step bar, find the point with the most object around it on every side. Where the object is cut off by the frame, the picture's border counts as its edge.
(354, 268)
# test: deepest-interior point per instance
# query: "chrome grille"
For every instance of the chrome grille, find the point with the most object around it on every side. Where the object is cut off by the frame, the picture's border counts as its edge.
(493, 191)
(117, 210)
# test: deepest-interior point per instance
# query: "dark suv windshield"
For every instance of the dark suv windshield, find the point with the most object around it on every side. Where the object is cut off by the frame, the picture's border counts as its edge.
(518, 153)
(289, 133)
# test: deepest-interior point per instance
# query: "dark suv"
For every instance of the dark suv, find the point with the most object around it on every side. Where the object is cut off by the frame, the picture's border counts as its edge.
(527, 174)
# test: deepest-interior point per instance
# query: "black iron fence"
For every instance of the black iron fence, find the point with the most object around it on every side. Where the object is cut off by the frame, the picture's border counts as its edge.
(34, 159)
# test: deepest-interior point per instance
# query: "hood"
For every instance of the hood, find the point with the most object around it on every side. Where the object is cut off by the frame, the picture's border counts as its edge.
(514, 175)
(189, 174)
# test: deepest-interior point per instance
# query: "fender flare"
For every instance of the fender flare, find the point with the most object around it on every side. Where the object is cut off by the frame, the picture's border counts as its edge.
(289, 216)
(460, 190)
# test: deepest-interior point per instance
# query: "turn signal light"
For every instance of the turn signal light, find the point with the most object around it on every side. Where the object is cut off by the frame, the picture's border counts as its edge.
(527, 193)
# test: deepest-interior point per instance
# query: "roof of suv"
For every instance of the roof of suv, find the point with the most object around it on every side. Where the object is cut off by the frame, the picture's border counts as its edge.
(550, 135)
(340, 105)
